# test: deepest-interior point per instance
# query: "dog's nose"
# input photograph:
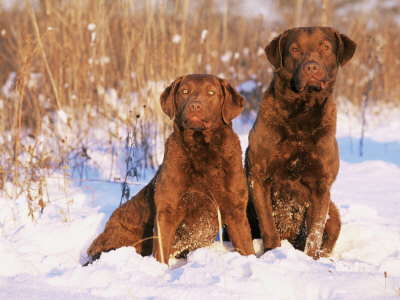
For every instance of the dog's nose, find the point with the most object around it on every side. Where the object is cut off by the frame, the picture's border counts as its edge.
(195, 106)
(311, 67)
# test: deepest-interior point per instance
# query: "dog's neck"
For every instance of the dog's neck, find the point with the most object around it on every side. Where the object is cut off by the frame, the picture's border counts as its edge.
(196, 139)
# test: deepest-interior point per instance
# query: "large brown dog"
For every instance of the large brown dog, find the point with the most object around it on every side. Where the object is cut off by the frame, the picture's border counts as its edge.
(202, 170)
(292, 159)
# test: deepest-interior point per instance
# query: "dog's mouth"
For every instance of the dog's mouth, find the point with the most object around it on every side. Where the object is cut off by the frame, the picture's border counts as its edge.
(313, 84)
(196, 123)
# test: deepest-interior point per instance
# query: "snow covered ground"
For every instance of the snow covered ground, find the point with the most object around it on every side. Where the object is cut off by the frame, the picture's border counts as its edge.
(42, 259)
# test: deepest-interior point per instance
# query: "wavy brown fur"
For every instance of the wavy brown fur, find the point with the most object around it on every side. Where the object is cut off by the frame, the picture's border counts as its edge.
(201, 171)
(292, 159)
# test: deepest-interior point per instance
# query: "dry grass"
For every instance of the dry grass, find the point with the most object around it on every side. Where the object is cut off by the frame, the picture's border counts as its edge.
(68, 55)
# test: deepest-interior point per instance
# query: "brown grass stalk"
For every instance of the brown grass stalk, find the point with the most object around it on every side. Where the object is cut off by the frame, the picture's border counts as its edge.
(39, 40)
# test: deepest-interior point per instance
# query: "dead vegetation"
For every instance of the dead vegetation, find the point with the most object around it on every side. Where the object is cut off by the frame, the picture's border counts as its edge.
(99, 61)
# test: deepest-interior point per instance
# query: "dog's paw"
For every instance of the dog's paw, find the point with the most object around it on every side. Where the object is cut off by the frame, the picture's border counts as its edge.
(271, 243)
(90, 259)
(313, 247)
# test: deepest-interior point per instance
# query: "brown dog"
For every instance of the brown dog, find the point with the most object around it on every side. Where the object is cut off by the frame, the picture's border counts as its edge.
(202, 170)
(292, 158)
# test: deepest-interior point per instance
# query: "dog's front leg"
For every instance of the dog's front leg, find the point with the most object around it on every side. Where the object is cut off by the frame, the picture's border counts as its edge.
(316, 219)
(236, 223)
(165, 224)
(317, 213)
(261, 197)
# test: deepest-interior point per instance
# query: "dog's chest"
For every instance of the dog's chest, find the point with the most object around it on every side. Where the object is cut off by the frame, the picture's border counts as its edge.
(204, 165)
(295, 160)
(296, 152)
(301, 122)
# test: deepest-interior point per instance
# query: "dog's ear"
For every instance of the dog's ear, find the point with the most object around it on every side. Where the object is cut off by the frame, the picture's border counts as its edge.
(167, 98)
(233, 103)
(345, 48)
(274, 51)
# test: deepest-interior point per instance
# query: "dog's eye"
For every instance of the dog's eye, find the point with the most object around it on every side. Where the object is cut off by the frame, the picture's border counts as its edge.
(325, 47)
(211, 92)
(185, 91)
(295, 49)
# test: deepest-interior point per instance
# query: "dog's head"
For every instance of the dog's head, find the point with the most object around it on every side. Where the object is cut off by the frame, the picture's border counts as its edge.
(309, 57)
(201, 101)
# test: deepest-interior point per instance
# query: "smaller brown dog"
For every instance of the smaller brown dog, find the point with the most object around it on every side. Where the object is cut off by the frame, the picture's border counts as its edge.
(202, 170)
(292, 159)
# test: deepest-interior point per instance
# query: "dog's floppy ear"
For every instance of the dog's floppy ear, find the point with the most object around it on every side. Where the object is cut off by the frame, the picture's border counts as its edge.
(167, 98)
(274, 51)
(233, 103)
(345, 48)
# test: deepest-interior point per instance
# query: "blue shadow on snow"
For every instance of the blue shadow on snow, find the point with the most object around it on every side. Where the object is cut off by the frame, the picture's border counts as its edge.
(349, 150)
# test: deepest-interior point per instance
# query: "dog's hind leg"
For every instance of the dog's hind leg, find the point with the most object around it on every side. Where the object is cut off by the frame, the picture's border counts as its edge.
(130, 225)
